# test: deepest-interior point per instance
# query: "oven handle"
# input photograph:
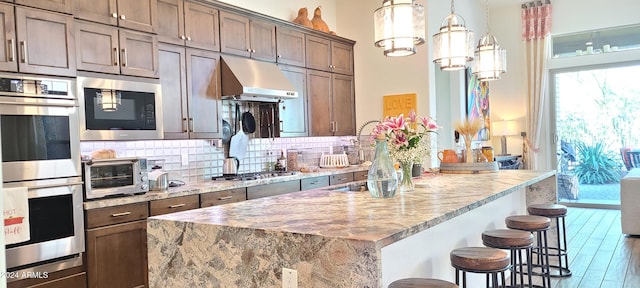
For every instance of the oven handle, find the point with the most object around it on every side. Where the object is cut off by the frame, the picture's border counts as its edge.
(52, 193)
(38, 104)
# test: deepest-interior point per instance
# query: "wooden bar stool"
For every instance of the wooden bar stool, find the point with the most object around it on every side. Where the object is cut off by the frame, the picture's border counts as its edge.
(484, 260)
(516, 241)
(538, 225)
(421, 283)
(555, 212)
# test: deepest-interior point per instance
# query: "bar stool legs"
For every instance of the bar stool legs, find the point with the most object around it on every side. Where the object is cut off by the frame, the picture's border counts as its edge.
(539, 225)
(517, 241)
(556, 212)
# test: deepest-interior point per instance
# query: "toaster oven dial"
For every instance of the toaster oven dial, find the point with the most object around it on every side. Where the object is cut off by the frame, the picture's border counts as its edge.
(144, 187)
(144, 178)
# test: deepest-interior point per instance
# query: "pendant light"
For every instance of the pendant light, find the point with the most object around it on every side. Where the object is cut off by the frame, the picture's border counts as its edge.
(109, 100)
(399, 27)
(490, 60)
(453, 45)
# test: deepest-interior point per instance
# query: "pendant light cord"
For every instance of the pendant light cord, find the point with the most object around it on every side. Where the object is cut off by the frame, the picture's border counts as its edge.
(486, 6)
(452, 9)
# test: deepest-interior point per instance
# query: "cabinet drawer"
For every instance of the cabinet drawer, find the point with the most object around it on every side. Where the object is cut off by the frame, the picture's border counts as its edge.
(272, 189)
(177, 204)
(77, 281)
(360, 175)
(117, 214)
(313, 183)
(340, 178)
(223, 197)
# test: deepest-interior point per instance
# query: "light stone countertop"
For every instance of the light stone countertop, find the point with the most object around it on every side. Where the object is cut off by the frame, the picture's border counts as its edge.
(332, 238)
(212, 186)
(358, 216)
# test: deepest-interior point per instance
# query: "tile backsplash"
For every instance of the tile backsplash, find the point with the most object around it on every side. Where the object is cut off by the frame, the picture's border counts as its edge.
(198, 160)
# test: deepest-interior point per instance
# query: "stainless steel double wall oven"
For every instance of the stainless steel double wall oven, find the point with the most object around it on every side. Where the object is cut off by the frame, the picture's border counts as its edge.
(39, 138)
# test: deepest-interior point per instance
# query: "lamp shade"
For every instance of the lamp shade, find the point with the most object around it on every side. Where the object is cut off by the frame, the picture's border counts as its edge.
(453, 44)
(399, 27)
(489, 60)
(504, 128)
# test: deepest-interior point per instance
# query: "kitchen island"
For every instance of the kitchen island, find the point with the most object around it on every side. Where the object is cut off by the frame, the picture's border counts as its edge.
(338, 238)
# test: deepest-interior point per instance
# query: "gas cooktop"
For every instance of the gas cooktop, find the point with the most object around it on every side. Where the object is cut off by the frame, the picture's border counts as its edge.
(252, 176)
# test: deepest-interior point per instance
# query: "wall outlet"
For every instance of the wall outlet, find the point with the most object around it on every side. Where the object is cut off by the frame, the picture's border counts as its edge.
(289, 278)
(184, 159)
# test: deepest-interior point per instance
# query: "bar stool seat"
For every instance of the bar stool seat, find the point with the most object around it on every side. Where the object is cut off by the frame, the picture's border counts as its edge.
(421, 283)
(528, 222)
(539, 225)
(556, 212)
(489, 261)
(548, 210)
(516, 241)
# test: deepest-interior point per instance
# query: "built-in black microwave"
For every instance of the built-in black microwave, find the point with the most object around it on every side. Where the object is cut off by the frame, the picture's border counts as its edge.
(119, 108)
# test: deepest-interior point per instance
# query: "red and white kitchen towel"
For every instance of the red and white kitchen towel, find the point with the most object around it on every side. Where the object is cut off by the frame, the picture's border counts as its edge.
(16, 215)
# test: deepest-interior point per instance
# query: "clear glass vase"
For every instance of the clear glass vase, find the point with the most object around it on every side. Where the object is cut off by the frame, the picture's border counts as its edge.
(406, 184)
(382, 179)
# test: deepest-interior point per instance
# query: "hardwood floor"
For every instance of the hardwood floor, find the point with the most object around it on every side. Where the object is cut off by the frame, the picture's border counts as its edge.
(599, 254)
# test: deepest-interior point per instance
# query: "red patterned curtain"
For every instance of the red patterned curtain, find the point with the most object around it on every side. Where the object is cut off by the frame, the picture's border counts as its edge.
(536, 20)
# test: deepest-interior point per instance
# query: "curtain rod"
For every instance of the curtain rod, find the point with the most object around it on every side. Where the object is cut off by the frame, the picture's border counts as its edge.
(535, 3)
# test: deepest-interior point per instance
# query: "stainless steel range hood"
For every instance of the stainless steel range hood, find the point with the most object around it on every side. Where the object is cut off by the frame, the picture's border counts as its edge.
(251, 80)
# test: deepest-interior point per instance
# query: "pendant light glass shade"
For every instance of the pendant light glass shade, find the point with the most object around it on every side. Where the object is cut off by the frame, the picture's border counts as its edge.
(453, 45)
(109, 100)
(399, 27)
(490, 60)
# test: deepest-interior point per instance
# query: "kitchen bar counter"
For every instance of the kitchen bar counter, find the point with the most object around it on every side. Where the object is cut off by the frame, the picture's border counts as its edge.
(212, 186)
(335, 238)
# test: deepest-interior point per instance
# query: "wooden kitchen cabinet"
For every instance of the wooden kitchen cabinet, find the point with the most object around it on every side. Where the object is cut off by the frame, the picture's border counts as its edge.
(340, 178)
(141, 15)
(293, 112)
(117, 255)
(272, 189)
(62, 6)
(106, 49)
(116, 239)
(191, 98)
(290, 46)
(360, 175)
(331, 104)
(189, 24)
(314, 182)
(247, 37)
(223, 197)
(328, 55)
(172, 205)
(37, 41)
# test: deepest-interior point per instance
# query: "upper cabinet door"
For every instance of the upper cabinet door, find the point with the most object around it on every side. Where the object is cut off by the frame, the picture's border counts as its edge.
(45, 42)
(343, 104)
(171, 28)
(102, 11)
(63, 6)
(263, 40)
(201, 26)
(141, 15)
(291, 47)
(293, 112)
(342, 58)
(203, 87)
(138, 54)
(97, 47)
(234, 34)
(318, 53)
(8, 61)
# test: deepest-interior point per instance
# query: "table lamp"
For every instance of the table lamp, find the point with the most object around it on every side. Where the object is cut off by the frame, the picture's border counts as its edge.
(504, 129)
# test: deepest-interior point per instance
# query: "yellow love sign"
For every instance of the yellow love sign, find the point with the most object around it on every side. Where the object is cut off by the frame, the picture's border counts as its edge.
(394, 105)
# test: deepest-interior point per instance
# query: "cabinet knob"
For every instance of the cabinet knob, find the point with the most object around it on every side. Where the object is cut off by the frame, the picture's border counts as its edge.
(183, 37)
(122, 17)
(248, 50)
(188, 38)
(279, 56)
(253, 50)
(114, 15)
